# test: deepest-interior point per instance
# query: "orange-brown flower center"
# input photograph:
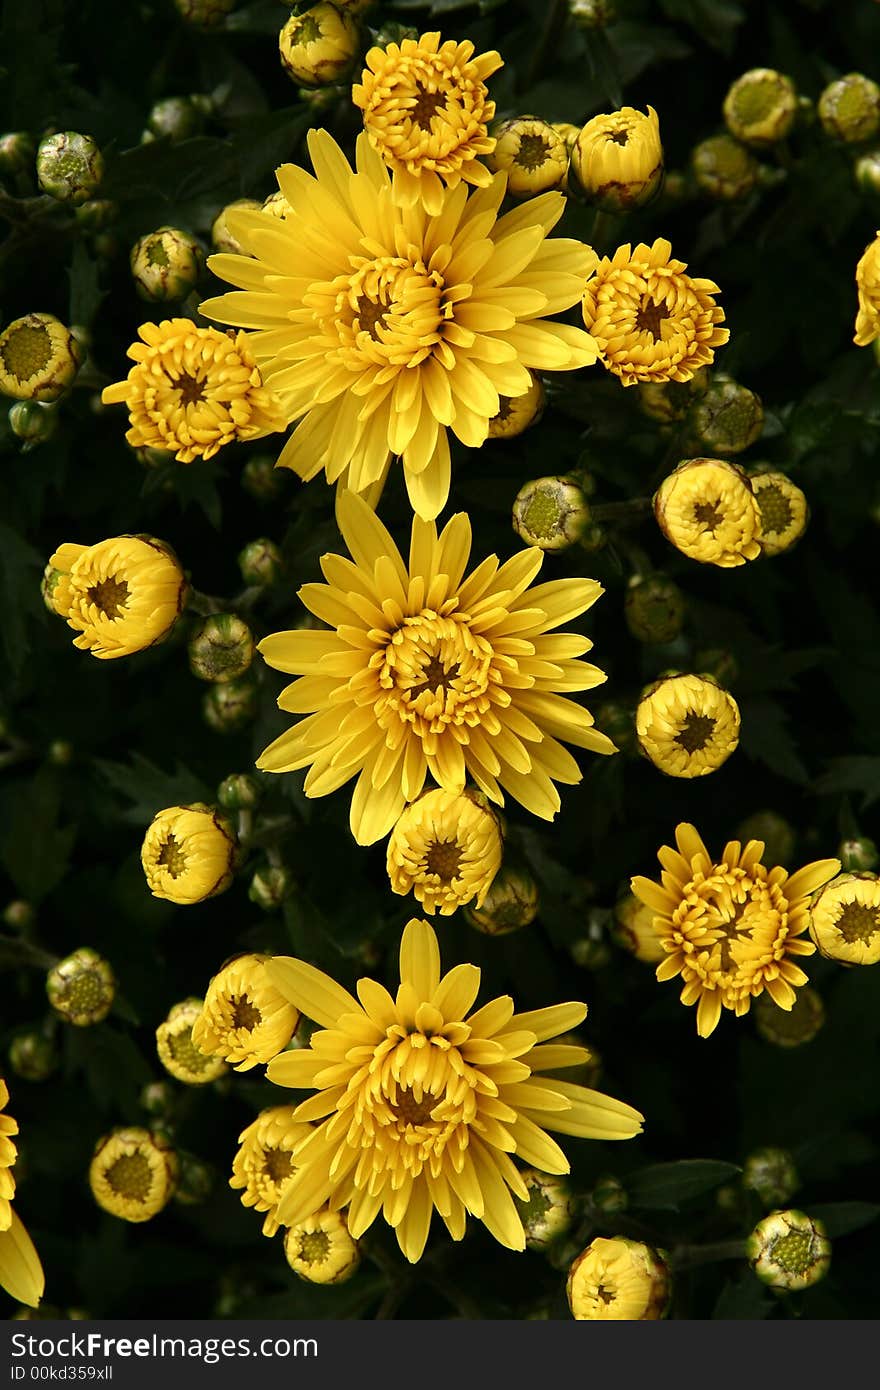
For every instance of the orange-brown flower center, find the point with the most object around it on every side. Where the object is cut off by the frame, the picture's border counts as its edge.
(244, 1013)
(695, 732)
(109, 595)
(650, 316)
(444, 859)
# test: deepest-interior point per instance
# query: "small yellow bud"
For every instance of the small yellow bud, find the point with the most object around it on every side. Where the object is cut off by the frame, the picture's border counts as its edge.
(549, 1211)
(510, 904)
(81, 988)
(319, 46)
(724, 169)
(634, 929)
(687, 725)
(708, 510)
(133, 1174)
(188, 854)
(760, 107)
(166, 264)
(39, 358)
(845, 919)
(783, 507)
(222, 239)
(321, 1250)
(532, 154)
(618, 1279)
(517, 413)
(789, 1251)
(177, 1051)
(617, 159)
(550, 513)
(244, 1019)
(849, 109)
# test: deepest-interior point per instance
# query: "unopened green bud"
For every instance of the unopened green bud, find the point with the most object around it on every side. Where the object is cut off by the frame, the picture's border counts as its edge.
(205, 14)
(592, 14)
(175, 118)
(549, 1211)
(230, 705)
(724, 169)
(618, 721)
(550, 513)
(609, 1196)
(39, 358)
(19, 915)
(867, 171)
(654, 608)
(858, 855)
(33, 1056)
(96, 214)
(60, 752)
(778, 834)
(760, 107)
(669, 401)
(849, 109)
(261, 479)
(789, 1251)
(166, 264)
(196, 1181)
(16, 152)
(727, 418)
(221, 649)
(70, 166)
(158, 1098)
(32, 422)
(81, 988)
(792, 1027)
(319, 46)
(261, 563)
(517, 413)
(511, 903)
(772, 1174)
(222, 239)
(239, 792)
(269, 887)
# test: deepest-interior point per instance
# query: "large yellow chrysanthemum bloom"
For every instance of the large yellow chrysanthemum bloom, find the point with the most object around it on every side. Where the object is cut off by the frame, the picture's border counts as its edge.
(426, 109)
(21, 1273)
(379, 327)
(868, 287)
(445, 849)
(427, 672)
(649, 320)
(422, 1104)
(121, 595)
(264, 1165)
(730, 927)
(193, 390)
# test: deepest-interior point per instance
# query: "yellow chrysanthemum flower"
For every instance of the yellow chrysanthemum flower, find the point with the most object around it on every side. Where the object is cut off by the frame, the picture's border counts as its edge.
(188, 854)
(244, 1019)
(868, 287)
(618, 1280)
(426, 109)
(618, 159)
(177, 1051)
(708, 510)
(421, 1103)
(424, 671)
(649, 320)
(730, 928)
(445, 849)
(133, 1174)
(687, 725)
(783, 507)
(193, 390)
(39, 358)
(845, 919)
(379, 327)
(121, 595)
(21, 1273)
(321, 1249)
(264, 1165)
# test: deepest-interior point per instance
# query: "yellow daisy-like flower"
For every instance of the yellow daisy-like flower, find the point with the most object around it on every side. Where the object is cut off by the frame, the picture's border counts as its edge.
(687, 725)
(39, 358)
(244, 1019)
(381, 327)
(426, 108)
(708, 510)
(445, 849)
(188, 854)
(868, 288)
(120, 595)
(133, 1174)
(177, 1051)
(321, 1248)
(618, 159)
(264, 1165)
(193, 390)
(21, 1273)
(650, 321)
(618, 1280)
(421, 1103)
(424, 671)
(730, 928)
(845, 919)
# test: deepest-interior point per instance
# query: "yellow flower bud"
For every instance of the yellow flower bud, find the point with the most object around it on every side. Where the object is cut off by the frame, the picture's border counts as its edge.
(789, 1251)
(724, 169)
(568, 132)
(868, 288)
(549, 1211)
(69, 166)
(245, 1019)
(221, 649)
(39, 358)
(177, 1051)
(166, 264)
(133, 1174)
(618, 1279)
(445, 849)
(687, 725)
(264, 1164)
(760, 107)
(188, 854)
(634, 930)
(532, 154)
(511, 903)
(222, 239)
(654, 608)
(793, 1027)
(849, 108)
(783, 508)
(517, 413)
(321, 1250)
(319, 45)
(276, 205)
(727, 418)
(121, 595)
(708, 510)
(618, 159)
(845, 919)
(550, 513)
(81, 988)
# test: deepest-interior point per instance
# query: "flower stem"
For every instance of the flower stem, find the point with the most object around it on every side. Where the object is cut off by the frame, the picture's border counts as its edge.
(691, 1256)
(622, 513)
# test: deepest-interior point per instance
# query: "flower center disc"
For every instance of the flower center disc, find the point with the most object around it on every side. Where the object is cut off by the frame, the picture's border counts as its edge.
(110, 596)
(131, 1176)
(434, 672)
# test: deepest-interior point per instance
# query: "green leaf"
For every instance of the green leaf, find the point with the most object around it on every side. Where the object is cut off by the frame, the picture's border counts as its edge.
(148, 789)
(743, 1299)
(20, 568)
(664, 1185)
(35, 849)
(85, 294)
(855, 774)
(839, 1218)
(767, 739)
